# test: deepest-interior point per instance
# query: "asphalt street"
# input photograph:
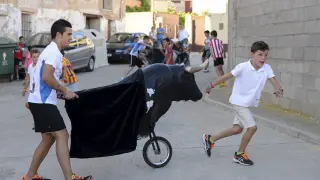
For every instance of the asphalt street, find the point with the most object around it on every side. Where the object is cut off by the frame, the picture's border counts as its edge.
(277, 156)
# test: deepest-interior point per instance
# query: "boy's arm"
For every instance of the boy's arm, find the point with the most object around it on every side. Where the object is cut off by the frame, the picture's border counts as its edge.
(25, 88)
(277, 86)
(220, 80)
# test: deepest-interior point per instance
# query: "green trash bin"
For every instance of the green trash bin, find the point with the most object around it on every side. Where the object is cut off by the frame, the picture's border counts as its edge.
(7, 47)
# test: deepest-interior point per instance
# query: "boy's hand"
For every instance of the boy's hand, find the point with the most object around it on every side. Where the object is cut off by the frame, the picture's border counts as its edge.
(70, 95)
(208, 88)
(23, 92)
(279, 92)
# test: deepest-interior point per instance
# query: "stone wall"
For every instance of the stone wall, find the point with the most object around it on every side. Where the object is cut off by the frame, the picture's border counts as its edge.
(10, 21)
(292, 29)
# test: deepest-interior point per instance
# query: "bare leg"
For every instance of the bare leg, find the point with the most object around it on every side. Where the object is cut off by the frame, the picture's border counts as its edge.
(17, 71)
(40, 153)
(236, 129)
(217, 71)
(221, 70)
(62, 151)
(246, 138)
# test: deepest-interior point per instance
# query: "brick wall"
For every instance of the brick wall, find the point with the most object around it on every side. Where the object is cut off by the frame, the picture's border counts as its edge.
(133, 3)
(292, 29)
(170, 23)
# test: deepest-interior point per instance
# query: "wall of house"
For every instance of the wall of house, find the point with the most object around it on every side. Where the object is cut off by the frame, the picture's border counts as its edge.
(292, 30)
(212, 23)
(44, 13)
(170, 23)
(139, 22)
(159, 5)
(132, 3)
(10, 21)
(179, 6)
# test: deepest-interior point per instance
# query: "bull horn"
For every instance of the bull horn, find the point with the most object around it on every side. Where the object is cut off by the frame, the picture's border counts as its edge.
(191, 69)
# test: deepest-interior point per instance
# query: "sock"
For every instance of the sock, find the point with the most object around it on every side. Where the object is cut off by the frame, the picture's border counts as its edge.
(238, 153)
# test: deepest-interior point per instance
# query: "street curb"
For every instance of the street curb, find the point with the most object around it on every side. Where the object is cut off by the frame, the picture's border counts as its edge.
(281, 128)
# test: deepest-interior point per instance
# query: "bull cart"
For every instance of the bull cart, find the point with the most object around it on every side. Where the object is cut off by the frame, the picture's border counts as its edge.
(159, 147)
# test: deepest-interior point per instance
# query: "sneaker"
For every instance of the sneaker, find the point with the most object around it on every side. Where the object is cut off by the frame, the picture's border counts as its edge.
(207, 144)
(35, 177)
(206, 70)
(242, 159)
(76, 177)
(223, 84)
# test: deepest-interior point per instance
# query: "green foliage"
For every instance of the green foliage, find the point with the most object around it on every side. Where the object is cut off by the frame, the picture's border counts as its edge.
(145, 7)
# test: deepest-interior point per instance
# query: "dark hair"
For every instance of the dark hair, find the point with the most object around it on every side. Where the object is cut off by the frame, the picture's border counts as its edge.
(259, 46)
(34, 51)
(207, 32)
(29, 48)
(146, 37)
(166, 39)
(62, 52)
(214, 33)
(136, 37)
(59, 26)
(21, 37)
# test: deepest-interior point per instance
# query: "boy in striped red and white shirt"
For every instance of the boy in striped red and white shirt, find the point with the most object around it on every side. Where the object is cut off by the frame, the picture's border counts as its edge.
(216, 50)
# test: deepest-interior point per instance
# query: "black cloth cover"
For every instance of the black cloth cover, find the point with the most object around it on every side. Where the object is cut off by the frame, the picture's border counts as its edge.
(105, 120)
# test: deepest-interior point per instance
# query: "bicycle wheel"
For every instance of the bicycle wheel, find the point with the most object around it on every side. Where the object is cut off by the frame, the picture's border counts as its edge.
(151, 145)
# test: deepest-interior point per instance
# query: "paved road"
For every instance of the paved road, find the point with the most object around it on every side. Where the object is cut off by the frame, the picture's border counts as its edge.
(276, 156)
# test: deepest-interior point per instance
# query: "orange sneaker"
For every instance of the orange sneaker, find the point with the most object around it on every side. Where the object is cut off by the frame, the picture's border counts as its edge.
(242, 158)
(76, 177)
(208, 145)
(35, 177)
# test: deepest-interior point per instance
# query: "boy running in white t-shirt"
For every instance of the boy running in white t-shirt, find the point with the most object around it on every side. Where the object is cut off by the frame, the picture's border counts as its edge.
(34, 54)
(250, 78)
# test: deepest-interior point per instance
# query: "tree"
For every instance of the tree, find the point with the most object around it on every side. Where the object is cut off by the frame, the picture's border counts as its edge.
(144, 7)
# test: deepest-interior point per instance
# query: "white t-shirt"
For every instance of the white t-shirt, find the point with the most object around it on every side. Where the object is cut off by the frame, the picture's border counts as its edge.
(43, 94)
(139, 46)
(183, 34)
(249, 84)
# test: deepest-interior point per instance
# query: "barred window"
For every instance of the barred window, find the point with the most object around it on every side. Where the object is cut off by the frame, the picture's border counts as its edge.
(26, 25)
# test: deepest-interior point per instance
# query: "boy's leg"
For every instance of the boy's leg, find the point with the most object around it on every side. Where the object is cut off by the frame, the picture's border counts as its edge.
(49, 120)
(40, 153)
(209, 140)
(246, 118)
(62, 152)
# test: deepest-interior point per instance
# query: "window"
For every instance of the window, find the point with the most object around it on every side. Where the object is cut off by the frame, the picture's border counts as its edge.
(26, 25)
(81, 39)
(176, 1)
(220, 26)
(119, 38)
(107, 4)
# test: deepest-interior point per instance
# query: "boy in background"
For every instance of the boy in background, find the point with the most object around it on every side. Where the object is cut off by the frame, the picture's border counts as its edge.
(18, 55)
(34, 53)
(168, 51)
(206, 49)
(250, 78)
(216, 51)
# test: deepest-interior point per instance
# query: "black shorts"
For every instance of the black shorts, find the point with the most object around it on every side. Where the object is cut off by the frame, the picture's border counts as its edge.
(135, 61)
(17, 61)
(47, 118)
(218, 61)
(206, 54)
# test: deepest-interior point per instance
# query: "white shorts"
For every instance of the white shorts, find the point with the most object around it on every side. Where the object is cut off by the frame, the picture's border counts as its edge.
(244, 117)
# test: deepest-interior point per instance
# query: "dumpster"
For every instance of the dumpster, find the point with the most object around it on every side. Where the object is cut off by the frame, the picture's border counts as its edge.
(7, 47)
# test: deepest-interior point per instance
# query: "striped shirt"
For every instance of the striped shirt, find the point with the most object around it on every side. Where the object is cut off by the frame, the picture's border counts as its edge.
(216, 48)
(69, 76)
